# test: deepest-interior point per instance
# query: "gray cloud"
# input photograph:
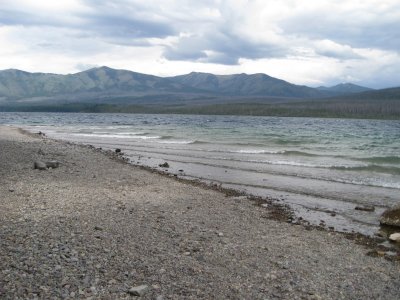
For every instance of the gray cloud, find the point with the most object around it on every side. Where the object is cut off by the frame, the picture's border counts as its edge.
(217, 32)
(357, 31)
(14, 17)
(115, 24)
(220, 47)
(124, 27)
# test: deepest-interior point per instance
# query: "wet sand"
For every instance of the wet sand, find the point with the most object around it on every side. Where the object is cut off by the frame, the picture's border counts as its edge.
(97, 227)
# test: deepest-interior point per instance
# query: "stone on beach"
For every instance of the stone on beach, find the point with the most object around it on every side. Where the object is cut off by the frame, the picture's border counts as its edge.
(391, 216)
(365, 208)
(164, 165)
(395, 237)
(138, 290)
(52, 164)
(39, 165)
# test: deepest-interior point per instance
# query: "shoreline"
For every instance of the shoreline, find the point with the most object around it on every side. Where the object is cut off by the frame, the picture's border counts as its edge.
(190, 240)
(279, 211)
(335, 214)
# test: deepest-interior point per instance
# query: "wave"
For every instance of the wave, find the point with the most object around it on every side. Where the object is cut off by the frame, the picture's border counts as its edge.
(290, 142)
(371, 168)
(362, 167)
(381, 159)
(299, 153)
(308, 165)
(122, 136)
(175, 142)
(252, 151)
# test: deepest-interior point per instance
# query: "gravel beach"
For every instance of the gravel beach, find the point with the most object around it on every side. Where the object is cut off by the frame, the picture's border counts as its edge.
(96, 227)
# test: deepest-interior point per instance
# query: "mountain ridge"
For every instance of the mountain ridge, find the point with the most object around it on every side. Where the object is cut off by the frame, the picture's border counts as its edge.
(103, 82)
(345, 88)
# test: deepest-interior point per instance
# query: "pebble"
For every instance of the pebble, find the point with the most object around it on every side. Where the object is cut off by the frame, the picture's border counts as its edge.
(39, 165)
(138, 290)
(365, 208)
(395, 237)
(52, 164)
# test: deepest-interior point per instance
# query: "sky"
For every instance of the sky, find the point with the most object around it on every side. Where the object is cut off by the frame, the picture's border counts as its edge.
(307, 42)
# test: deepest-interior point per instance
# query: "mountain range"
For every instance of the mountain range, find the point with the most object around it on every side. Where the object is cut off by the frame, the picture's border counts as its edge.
(108, 90)
(99, 84)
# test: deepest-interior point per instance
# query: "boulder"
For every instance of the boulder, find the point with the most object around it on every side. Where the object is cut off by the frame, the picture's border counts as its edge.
(391, 216)
(164, 165)
(39, 165)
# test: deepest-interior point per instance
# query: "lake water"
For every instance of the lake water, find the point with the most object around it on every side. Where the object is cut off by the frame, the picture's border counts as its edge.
(322, 168)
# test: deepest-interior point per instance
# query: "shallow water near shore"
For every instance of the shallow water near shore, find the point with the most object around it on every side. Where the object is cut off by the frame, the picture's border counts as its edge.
(322, 168)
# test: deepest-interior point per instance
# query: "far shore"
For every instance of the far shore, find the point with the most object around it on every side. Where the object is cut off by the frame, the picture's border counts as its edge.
(99, 227)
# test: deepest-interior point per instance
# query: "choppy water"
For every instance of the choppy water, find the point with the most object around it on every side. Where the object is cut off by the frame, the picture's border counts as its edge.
(318, 166)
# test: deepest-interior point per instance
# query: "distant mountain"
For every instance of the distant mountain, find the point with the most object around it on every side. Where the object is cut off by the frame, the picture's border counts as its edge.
(108, 90)
(15, 84)
(247, 85)
(100, 84)
(345, 88)
(390, 94)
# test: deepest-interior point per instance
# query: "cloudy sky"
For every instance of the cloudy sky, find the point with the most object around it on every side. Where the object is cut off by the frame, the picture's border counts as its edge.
(311, 42)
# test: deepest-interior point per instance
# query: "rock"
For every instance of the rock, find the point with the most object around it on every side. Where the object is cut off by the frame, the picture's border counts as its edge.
(52, 164)
(391, 216)
(138, 290)
(380, 253)
(164, 165)
(395, 237)
(98, 228)
(365, 208)
(39, 165)
(117, 150)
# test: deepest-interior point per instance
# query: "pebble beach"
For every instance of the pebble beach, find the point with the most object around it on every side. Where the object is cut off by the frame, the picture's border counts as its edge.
(96, 227)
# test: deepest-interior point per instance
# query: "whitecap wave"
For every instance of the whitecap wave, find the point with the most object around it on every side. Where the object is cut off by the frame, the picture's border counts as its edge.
(175, 142)
(253, 151)
(122, 136)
